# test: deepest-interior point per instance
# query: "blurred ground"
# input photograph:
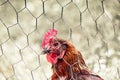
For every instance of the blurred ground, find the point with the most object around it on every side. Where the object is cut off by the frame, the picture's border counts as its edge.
(93, 26)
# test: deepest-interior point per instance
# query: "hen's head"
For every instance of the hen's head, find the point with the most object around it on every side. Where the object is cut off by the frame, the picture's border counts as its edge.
(53, 47)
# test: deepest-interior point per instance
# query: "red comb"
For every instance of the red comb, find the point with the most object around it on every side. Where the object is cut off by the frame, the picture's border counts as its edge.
(49, 35)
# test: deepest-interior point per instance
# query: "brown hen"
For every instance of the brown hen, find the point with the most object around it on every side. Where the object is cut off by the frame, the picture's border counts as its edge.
(67, 62)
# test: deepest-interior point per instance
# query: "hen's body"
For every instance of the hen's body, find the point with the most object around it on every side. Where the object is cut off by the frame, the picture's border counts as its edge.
(72, 67)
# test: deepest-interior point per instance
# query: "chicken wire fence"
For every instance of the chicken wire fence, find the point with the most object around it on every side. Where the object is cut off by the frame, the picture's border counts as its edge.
(93, 26)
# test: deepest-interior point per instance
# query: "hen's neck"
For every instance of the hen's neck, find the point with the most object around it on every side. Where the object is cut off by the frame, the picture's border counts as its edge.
(70, 65)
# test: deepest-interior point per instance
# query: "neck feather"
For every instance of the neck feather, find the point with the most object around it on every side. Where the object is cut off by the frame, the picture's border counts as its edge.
(71, 64)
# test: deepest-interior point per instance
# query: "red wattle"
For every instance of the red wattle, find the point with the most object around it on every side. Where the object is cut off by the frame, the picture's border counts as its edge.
(52, 58)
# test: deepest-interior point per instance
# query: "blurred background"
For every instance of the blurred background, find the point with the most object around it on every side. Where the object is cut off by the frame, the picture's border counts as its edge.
(93, 26)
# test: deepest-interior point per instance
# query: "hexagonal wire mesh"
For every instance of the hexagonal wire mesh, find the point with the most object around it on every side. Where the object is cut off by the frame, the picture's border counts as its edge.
(93, 26)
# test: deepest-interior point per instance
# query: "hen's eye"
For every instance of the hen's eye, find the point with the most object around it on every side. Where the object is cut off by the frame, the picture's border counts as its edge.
(55, 44)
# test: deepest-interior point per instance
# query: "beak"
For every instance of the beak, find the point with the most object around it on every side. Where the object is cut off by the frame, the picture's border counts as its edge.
(45, 51)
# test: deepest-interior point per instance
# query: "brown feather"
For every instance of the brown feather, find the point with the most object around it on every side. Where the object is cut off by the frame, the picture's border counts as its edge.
(72, 66)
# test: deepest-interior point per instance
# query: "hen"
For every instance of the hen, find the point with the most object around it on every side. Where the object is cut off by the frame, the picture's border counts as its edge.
(67, 62)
